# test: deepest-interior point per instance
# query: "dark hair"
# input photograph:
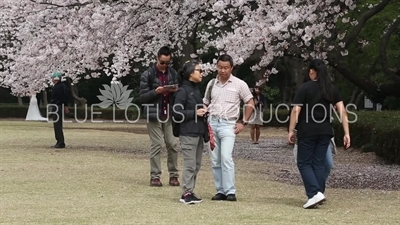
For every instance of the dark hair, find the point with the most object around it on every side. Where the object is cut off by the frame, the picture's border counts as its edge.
(165, 50)
(187, 69)
(323, 79)
(225, 58)
(306, 77)
(253, 91)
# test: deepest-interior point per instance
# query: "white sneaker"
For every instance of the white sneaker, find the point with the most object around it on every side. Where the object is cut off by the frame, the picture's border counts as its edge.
(319, 197)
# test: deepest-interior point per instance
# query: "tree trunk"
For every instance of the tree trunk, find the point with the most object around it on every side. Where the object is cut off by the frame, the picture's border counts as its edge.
(44, 98)
(373, 89)
(294, 67)
(354, 95)
(360, 100)
(74, 93)
(187, 50)
(294, 70)
(20, 102)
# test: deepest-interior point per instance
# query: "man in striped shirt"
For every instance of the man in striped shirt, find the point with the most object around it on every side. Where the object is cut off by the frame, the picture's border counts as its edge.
(224, 107)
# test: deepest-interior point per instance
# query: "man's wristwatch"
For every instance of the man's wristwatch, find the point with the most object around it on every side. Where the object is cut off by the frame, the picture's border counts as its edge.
(244, 123)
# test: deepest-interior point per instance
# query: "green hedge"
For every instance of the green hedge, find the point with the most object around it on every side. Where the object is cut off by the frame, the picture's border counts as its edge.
(80, 113)
(276, 118)
(370, 131)
(377, 132)
(15, 111)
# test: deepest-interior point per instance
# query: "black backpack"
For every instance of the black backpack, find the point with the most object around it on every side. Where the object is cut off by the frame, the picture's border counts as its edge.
(176, 127)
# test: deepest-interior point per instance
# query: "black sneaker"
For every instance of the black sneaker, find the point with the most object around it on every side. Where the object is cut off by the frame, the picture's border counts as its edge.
(187, 198)
(196, 199)
(219, 197)
(231, 197)
(61, 145)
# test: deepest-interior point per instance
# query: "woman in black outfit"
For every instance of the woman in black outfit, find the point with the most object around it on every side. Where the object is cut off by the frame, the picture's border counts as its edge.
(190, 112)
(312, 106)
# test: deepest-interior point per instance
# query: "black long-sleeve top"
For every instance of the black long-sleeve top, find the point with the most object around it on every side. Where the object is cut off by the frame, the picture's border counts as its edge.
(59, 94)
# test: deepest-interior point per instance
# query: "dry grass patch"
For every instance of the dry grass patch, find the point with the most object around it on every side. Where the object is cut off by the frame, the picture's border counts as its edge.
(82, 185)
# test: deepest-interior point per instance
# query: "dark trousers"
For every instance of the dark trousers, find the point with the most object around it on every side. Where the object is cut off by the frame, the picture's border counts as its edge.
(192, 150)
(311, 158)
(160, 134)
(58, 124)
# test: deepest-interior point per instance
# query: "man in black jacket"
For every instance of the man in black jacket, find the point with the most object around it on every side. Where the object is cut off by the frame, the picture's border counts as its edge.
(59, 101)
(157, 87)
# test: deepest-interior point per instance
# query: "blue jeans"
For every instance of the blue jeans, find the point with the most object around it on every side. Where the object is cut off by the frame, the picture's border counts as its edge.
(329, 161)
(311, 160)
(222, 164)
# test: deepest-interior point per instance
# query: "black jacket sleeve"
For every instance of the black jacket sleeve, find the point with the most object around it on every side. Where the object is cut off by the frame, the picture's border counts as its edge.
(59, 94)
(179, 110)
(175, 76)
(146, 94)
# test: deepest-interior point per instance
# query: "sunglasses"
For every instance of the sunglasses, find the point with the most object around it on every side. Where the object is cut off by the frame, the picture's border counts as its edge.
(164, 62)
(200, 70)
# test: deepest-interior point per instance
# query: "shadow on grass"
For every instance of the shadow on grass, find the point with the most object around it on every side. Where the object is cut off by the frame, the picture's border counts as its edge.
(80, 148)
(135, 130)
(284, 201)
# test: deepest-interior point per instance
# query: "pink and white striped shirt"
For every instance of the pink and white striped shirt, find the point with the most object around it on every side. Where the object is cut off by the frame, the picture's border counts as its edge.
(225, 98)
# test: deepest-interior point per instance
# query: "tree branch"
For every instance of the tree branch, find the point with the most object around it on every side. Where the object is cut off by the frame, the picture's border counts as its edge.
(66, 6)
(383, 56)
(350, 37)
(371, 88)
(345, 71)
(296, 56)
(133, 25)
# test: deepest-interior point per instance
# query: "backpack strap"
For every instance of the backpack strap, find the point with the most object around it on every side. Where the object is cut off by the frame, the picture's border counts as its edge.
(173, 74)
(150, 77)
(208, 94)
(186, 92)
(151, 74)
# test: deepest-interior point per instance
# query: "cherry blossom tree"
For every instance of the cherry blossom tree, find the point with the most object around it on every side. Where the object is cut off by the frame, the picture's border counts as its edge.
(114, 36)
(75, 36)
(314, 29)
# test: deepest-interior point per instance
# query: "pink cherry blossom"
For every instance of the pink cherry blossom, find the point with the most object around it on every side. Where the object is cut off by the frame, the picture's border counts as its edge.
(42, 36)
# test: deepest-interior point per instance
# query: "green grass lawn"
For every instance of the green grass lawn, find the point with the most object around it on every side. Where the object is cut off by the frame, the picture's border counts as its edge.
(102, 177)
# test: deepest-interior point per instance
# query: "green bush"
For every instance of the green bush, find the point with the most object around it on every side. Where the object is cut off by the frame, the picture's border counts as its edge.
(80, 113)
(96, 113)
(15, 111)
(273, 117)
(276, 118)
(370, 131)
(374, 131)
